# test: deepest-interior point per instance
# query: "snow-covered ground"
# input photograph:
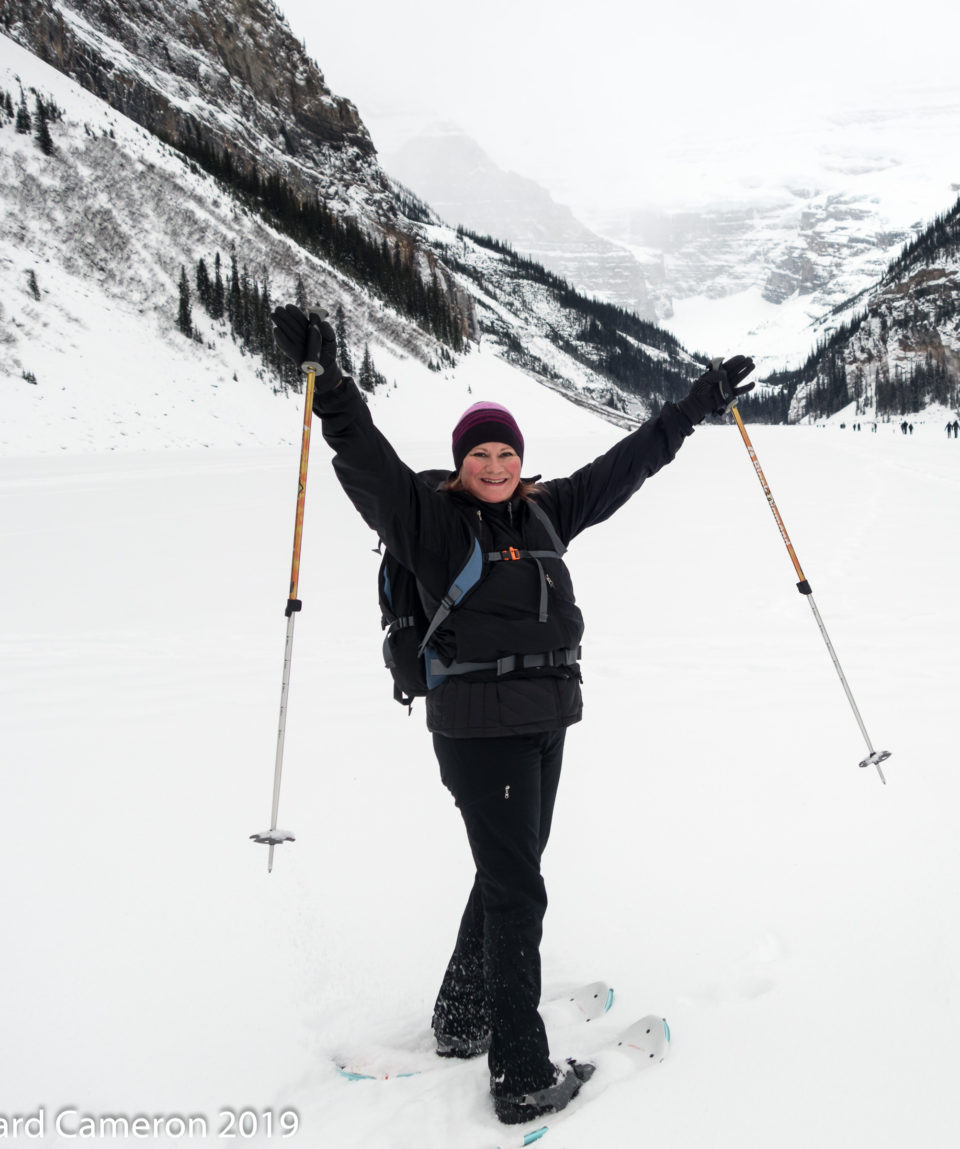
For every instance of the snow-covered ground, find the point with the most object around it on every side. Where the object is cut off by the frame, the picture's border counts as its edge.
(775, 336)
(717, 854)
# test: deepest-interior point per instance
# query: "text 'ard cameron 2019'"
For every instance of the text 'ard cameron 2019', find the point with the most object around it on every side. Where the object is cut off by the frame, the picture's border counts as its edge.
(72, 1123)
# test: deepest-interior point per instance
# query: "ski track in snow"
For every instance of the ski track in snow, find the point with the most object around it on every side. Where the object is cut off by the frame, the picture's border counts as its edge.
(717, 854)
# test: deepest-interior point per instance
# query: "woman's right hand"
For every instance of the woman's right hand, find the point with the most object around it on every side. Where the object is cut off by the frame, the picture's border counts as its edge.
(310, 341)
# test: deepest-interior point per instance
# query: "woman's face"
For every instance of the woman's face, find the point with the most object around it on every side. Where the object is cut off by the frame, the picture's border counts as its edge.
(491, 472)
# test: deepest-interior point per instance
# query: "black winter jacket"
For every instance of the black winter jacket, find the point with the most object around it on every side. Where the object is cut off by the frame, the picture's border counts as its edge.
(430, 531)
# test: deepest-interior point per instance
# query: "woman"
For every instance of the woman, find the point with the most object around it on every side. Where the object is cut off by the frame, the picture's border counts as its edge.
(511, 684)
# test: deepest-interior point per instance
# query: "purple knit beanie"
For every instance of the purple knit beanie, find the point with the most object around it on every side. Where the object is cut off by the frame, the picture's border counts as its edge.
(485, 423)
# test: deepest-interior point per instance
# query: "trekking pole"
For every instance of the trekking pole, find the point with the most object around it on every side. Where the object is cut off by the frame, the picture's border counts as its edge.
(874, 757)
(274, 837)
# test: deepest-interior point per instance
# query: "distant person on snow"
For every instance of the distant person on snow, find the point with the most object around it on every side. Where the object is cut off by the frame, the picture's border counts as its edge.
(498, 733)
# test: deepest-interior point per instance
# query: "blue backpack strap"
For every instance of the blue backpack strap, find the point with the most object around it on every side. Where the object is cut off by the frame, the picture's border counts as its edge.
(468, 578)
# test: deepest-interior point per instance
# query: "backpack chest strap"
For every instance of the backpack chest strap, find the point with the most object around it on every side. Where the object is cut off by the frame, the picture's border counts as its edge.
(513, 554)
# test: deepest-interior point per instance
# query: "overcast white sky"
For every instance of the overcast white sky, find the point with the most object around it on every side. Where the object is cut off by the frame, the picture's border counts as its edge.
(615, 102)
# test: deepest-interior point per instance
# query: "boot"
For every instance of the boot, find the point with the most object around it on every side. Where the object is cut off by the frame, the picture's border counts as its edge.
(517, 1108)
(449, 1045)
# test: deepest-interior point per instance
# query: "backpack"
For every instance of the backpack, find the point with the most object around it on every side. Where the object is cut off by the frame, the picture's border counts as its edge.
(406, 654)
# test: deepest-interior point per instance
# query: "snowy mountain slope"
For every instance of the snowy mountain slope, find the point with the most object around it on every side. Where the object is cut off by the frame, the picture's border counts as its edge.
(397, 251)
(452, 173)
(228, 85)
(717, 855)
(893, 350)
(104, 226)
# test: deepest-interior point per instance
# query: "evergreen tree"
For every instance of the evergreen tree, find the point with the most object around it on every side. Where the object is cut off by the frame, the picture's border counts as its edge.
(366, 370)
(300, 294)
(370, 378)
(184, 318)
(44, 139)
(218, 296)
(242, 322)
(233, 293)
(257, 339)
(265, 326)
(343, 348)
(23, 116)
(204, 286)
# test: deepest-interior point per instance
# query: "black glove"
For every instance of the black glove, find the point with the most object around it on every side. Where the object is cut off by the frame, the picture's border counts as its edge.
(309, 341)
(717, 388)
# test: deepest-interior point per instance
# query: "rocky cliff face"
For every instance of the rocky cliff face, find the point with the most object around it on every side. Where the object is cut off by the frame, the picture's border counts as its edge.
(820, 246)
(229, 76)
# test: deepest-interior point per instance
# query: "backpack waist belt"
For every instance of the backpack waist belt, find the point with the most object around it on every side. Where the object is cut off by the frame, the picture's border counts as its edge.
(509, 663)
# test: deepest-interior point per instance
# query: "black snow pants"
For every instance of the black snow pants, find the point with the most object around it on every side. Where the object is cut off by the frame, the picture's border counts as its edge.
(505, 789)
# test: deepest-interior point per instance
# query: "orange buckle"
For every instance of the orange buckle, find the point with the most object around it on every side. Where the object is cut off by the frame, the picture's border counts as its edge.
(510, 553)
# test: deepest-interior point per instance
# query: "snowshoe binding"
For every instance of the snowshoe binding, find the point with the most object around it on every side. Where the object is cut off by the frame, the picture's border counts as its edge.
(514, 1109)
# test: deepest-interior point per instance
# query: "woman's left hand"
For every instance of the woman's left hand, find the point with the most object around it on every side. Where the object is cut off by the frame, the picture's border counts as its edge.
(717, 388)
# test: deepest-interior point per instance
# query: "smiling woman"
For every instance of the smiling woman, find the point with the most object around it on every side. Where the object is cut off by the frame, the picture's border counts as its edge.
(504, 681)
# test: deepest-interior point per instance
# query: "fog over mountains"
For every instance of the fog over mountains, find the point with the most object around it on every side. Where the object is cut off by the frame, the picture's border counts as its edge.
(765, 257)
